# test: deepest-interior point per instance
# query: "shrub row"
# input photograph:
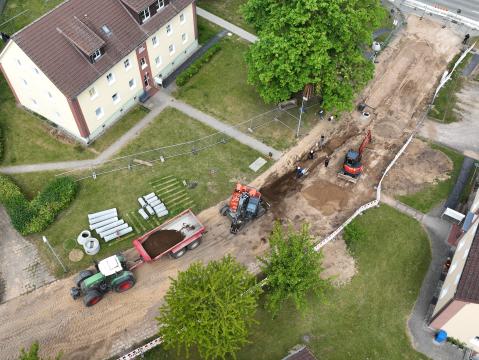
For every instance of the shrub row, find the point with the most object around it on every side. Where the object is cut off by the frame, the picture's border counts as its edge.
(30, 217)
(1, 142)
(194, 68)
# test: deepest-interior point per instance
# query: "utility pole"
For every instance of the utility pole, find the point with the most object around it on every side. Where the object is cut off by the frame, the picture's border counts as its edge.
(45, 240)
(301, 110)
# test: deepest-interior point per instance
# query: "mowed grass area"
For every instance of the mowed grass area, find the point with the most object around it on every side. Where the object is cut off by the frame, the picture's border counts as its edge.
(228, 10)
(215, 170)
(365, 319)
(206, 30)
(443, 110)
(426, 199)
(221, 89)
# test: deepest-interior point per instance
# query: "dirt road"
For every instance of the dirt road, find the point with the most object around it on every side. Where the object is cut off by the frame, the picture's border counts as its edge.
(406, 74)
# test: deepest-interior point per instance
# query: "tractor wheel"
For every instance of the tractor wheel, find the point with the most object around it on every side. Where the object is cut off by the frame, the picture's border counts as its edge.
(82, 275)
(125, 285)
(92, 297)
(194, 244)
(178, 254)
(224, 210)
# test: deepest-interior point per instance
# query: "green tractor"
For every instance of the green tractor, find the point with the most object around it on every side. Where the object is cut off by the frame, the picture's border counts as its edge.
(111, 274)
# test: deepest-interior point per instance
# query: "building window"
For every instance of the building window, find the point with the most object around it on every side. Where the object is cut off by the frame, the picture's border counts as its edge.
(127, 64)
(143, 63)
(182, 18)
(96, 55)
(168, 29)
(132, 84)
(50, 95)
(110, 78)
(184, 38)
(19, 62)
(35, 70)
(146, 80)
(144, 15)
(154, 41)
(443, 292)
(158, 61)
(116, 98)
(171, 49)
(99, 113)
(161, 4)
(92, 92)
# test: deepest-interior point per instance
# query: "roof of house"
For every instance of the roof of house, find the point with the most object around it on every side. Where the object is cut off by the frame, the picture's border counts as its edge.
(138, 5)
(302, 354)
(60, 42)
(468, 286)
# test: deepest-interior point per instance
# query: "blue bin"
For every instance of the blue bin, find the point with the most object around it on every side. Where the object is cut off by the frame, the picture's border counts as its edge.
(441, 336)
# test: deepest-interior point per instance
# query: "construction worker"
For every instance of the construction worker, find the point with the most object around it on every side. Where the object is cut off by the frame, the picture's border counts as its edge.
(331, 118)
(321, 114)
(326, 161)
(466, 39)
(311, 154)
(299, 171)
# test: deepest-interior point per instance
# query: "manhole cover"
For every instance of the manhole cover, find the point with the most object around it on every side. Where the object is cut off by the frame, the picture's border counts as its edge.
(75, 255)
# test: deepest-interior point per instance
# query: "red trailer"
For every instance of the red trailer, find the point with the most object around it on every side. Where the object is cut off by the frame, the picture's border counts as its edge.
(174, 237)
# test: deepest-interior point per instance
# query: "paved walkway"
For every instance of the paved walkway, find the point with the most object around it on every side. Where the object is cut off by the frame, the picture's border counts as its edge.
(163, 98)
(421, 335)
(226, 25)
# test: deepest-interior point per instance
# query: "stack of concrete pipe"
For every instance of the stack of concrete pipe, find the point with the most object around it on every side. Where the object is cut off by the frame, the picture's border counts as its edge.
(89, 243)
(107, 224)
(151, 205)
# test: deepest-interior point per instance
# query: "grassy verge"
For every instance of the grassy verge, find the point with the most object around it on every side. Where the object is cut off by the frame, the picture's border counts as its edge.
(426, 199)
(228, 10)
(212, 169)
(122, 126)
(220, 88)
(444, 106)
(206, 30)
(365, 319)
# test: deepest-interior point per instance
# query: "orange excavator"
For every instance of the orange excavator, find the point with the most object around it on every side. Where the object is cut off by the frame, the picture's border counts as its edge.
(245, 205)
(352, 166)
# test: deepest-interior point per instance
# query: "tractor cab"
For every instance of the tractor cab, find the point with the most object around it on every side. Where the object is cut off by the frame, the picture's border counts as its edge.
(252, 207)
(111, 265)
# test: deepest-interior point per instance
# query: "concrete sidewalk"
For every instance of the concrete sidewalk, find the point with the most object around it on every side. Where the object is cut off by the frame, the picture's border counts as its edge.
(226, 25)
(162, 98)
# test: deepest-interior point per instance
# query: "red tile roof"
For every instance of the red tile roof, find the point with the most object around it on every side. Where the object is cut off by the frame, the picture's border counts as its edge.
(48, 40)
(468, 287)
(138, 5)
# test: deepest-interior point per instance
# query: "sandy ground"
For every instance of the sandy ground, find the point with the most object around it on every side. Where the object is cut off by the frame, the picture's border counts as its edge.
(418, 167)
(406, 75)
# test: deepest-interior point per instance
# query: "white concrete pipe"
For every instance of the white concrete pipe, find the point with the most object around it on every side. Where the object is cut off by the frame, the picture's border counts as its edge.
(103, 218)
(84, 235)
(101, 213)
(143, 214)
(92, 246)
(118, 234)
(110, 226)
(103, 223)
(162, 213)
(155, 203)
(150, 195)
(152, 199)
(150, 210)
(112, 231)
(142, 201)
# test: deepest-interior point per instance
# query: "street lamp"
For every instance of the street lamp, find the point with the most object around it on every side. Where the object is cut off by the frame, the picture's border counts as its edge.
(45, 240)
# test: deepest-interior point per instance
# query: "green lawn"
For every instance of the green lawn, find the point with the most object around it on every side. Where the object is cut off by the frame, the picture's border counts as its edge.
(220, 88)
(206, 30)
(228, 10)
(122, 126)
(365, 319)
(212, 169)
(444, 106)
(426, 199)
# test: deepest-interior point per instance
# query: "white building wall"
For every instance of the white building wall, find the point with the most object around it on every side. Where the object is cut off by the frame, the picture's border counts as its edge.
(182, 48)
(35, 91)
(103, 95)
(464, 326)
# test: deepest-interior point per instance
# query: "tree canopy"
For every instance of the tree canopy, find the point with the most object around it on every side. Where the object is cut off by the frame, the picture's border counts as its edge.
(210, 308)
(293, 268)
(317, 42)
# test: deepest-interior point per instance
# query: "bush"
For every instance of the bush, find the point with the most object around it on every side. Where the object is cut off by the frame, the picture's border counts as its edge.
(353, 234)
(1, 143)
(194, 68)
(35, 216)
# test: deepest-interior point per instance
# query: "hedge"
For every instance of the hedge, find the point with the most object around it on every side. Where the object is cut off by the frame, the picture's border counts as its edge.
(1, 143)
(30, 217)
(194, 68)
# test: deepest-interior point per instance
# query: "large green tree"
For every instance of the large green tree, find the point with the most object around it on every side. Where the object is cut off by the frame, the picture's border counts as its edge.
(210, 308)
(293, 268)
(319, 42)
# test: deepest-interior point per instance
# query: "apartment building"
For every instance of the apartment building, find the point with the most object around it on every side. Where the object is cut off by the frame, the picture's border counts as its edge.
(86, 62)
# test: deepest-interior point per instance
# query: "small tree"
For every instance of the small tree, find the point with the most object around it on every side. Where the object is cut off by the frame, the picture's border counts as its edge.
(32, 353)
(293, 268)
(209, 307)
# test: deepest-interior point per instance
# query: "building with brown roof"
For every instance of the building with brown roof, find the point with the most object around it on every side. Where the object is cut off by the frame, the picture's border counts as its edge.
(86, 62)
(457, 307)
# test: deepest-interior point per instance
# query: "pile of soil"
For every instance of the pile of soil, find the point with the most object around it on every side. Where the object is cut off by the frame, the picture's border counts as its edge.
(326, 197)
(160, 241)
(419, 167)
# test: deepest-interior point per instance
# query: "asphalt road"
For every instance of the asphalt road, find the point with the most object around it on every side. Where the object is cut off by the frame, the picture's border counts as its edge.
(469, 8)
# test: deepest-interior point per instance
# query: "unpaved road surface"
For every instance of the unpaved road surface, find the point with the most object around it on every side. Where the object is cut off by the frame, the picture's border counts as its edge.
(406, 75)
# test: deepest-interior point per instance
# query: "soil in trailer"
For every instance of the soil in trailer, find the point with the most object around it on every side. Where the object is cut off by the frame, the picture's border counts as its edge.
(159, 242)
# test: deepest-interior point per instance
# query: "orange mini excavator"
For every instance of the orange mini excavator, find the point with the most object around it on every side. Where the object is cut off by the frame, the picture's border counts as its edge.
(352, 166)
(245, 205)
